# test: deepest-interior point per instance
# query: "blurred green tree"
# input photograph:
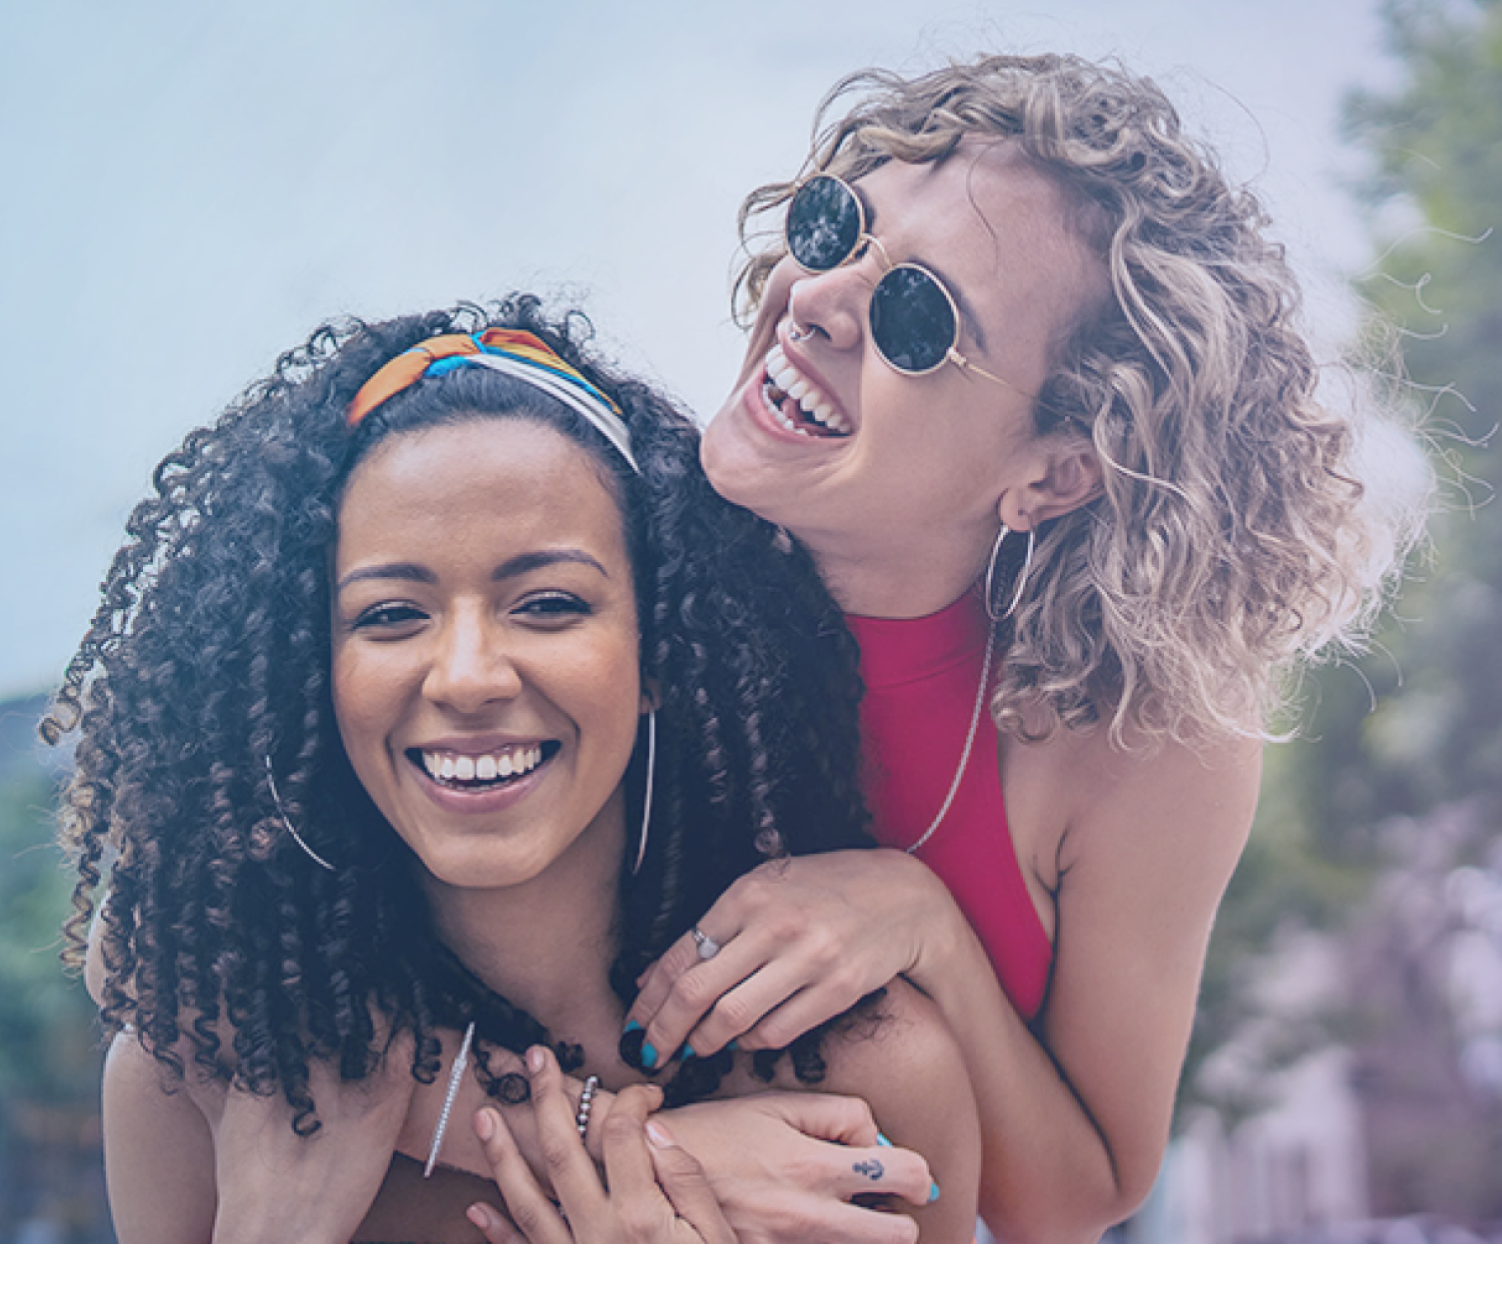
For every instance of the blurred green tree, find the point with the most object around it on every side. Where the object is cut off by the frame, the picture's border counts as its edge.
(1396, 783)
(51, 1178)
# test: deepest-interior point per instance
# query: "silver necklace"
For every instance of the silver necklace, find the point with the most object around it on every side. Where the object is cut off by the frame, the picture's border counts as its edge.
(959, 772)
(460, 1063)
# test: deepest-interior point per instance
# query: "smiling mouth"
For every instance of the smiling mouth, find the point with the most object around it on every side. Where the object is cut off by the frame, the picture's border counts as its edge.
(797, 404)
(473, 773)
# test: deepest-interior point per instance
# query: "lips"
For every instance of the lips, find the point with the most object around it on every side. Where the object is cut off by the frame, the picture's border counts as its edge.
(797, 404)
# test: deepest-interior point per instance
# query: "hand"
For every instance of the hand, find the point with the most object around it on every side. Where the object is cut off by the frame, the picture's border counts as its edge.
(800, 942)
(653, 1192)
(277, 1186)
(787, 1167)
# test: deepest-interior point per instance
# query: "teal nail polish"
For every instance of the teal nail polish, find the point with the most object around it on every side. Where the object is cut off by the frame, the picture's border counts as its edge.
(883, 1140)
(688, 1051)
(649, 1054)
(933, 1193)
(631, 1026)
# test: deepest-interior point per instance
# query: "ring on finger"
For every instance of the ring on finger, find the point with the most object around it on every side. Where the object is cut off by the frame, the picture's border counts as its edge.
(708, 947)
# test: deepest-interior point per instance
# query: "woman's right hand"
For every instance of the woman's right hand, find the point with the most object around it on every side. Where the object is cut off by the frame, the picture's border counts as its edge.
(788, 1167)
(653, 1192)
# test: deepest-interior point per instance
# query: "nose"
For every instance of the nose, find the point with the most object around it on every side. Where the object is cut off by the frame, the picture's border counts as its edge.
(470, 666)
(833, 305)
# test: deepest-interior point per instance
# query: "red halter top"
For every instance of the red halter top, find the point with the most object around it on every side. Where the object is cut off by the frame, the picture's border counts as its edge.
(921, 677)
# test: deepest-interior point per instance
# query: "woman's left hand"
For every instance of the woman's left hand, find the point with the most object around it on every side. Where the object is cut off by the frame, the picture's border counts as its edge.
(800, 941)
(653, 1192)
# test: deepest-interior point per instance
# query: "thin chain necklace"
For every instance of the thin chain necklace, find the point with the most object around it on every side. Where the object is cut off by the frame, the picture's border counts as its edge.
(959, 772)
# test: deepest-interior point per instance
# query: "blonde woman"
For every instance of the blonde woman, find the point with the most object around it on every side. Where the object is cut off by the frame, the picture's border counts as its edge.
(1026, 378)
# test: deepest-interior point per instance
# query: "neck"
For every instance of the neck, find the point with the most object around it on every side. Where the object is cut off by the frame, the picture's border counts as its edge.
(901, 581)
(547, 944)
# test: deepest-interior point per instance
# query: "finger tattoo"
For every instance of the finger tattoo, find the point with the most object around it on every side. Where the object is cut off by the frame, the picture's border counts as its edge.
(872, 1170)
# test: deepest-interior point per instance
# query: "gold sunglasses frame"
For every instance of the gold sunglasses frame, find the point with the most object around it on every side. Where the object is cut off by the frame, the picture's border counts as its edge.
(865, 237)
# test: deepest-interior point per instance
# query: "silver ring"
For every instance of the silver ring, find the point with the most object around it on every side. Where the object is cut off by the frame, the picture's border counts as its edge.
(708, 947)
(795, 333)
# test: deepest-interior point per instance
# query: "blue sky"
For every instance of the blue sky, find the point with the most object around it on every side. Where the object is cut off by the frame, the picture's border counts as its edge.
(190, 188)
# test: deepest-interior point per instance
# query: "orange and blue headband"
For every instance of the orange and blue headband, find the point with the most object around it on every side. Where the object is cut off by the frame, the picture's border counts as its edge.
(518, 354)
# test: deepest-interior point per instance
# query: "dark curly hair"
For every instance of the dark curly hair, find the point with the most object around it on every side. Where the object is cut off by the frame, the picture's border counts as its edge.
(208, 663)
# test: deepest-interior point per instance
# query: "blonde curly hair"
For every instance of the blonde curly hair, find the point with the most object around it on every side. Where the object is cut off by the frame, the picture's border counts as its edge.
(1234, 540)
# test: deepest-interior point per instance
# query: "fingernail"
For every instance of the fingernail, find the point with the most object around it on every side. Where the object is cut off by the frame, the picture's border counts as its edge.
(483, 1127)
(659, 1136)
(688, 1051)
(649, 1054)
(478, 1217)
(535, 1058)
(731, 1045)
(631, 1026)
(883, 1140)
(933, 1193)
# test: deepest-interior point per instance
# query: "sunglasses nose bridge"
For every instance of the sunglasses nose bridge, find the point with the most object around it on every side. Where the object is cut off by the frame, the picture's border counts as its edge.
(871, 240)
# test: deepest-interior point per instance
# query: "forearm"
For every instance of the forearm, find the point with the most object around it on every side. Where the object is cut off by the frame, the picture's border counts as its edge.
(1047, 1173)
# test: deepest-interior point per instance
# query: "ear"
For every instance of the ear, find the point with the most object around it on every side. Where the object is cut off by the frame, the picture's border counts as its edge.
(651, 696)
(1064, 474)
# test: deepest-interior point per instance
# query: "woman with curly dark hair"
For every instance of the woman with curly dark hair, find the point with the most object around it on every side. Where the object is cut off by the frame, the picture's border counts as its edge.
(425, 707)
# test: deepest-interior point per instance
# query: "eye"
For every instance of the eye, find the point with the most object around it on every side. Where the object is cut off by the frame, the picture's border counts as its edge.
(552, 607)
(388, 615)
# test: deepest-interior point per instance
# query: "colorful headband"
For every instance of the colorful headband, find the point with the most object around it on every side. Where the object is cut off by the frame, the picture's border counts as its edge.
(518, 354)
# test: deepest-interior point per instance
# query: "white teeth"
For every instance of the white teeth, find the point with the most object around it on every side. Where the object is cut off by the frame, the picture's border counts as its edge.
(809, 398)
(461, 768)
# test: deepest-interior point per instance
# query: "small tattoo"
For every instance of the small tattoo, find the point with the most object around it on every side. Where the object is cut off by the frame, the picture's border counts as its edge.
(872, 1169)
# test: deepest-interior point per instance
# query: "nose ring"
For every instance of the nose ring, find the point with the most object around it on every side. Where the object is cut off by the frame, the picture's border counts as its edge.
(796, 333)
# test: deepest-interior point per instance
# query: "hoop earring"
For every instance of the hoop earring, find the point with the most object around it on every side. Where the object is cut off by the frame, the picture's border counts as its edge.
(1027, 565)
(291, 829)
(646, 801)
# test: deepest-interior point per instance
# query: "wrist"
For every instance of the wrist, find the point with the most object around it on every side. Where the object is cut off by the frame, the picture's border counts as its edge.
(940, 937)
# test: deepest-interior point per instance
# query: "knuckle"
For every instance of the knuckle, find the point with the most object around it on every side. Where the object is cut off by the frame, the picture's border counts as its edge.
(677, 961)
(692, 993)
(555, 1154)
(736, 1013)
(526, 1214)
(638, 1220)
(619, 1130)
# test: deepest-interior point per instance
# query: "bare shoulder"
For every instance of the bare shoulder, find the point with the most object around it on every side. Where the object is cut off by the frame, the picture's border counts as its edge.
(1169, 805)
(158, 1150)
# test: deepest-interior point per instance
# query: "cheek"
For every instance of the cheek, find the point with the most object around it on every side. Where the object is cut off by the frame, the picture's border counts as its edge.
(614, 707)
(358, 707)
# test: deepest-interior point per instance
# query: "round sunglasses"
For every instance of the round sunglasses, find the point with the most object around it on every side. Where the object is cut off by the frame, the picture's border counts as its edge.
(915, 323)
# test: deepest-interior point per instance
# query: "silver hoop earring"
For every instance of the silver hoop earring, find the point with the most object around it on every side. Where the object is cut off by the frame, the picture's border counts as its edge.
(291, 829)
(1027, 565)
(646, 800)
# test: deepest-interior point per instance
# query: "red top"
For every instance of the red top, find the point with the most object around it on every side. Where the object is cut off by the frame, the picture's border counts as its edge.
(921, 677)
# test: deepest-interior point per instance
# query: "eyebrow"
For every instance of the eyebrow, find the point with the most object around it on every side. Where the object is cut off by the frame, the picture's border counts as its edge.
(967, 315)
(516, 566)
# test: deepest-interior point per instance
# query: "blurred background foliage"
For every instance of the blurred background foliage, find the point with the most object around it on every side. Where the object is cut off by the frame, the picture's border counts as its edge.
(1379, 826)
(51, 1183)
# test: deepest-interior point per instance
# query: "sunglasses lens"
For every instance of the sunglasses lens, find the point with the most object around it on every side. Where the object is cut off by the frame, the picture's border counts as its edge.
(824, 224)
(912, 320)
